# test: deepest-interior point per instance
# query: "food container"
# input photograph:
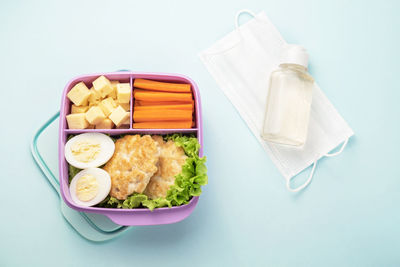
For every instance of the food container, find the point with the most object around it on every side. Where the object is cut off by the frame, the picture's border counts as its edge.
(128, 216)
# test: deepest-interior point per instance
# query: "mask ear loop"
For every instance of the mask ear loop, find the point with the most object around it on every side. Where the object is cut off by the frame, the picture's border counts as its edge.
(240, 12)
(301, 187)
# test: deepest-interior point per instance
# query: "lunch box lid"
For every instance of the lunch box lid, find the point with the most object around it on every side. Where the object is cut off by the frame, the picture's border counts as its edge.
(91, 226)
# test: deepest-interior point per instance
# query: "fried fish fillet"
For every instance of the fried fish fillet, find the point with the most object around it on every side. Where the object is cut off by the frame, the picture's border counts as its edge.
(170, 164)
(133, 164)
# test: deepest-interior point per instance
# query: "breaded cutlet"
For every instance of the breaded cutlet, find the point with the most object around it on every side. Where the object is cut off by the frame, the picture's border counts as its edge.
(170, 164)
(133, 164)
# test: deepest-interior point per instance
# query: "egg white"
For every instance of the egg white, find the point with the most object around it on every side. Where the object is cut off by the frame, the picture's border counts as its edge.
(107, 148)
(104, 181)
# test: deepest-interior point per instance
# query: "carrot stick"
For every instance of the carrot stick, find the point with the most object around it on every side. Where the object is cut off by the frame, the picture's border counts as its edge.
(155, 103)
(163, 125)
(162, 86)
(162, 115)
(160, 96)
(180, 107)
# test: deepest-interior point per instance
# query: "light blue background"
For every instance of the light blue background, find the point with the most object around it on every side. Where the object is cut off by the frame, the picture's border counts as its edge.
(348, 216)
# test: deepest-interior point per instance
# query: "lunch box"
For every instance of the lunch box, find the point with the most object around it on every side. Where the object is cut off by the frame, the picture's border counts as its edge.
(139, 216)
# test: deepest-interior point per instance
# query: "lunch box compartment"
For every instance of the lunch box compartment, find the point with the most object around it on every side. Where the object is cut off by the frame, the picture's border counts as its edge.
(141, 216)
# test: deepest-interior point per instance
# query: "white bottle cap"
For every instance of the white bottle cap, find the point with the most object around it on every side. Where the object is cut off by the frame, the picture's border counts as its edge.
(294, 54)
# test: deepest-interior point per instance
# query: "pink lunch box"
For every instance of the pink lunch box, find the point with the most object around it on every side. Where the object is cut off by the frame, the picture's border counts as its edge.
(128, 216)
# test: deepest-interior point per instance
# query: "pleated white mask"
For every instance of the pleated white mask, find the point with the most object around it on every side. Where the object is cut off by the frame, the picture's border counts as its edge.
(241, 63)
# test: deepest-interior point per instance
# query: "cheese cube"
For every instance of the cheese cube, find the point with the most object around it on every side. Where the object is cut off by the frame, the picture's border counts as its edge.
(119, 115)
(78, 109)
(105, 124)
(126, 106)
(102, 86)
(125, 123)
(93, 104)
(91, 126)
(77, 121)
(79, 94)
(123, 92)
(113, 93)
(95, 115)
(94, 97)
(107, 105)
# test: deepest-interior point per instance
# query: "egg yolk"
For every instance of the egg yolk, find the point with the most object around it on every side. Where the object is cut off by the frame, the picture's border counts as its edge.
(87, 188)
(85, 151)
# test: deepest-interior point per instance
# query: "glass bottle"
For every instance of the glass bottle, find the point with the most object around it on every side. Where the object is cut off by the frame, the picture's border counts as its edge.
(289, 99)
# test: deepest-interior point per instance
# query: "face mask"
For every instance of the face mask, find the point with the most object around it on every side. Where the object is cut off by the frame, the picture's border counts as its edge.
(241, 63)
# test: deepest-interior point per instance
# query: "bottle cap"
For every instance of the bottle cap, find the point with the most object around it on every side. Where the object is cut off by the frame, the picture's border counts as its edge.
(294, 54)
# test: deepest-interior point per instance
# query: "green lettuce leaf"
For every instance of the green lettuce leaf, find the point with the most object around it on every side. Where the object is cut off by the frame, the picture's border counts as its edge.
(189, 143)
(187, 184)
(134, 201)
(72, 171)
(194, 172)
(151, 204)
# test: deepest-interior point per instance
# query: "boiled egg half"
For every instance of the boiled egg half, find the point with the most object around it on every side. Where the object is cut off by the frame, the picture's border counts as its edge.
(89, 150)
(90, 186)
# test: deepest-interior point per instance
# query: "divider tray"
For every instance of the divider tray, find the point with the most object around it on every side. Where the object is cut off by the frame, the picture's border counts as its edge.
(128, 216)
